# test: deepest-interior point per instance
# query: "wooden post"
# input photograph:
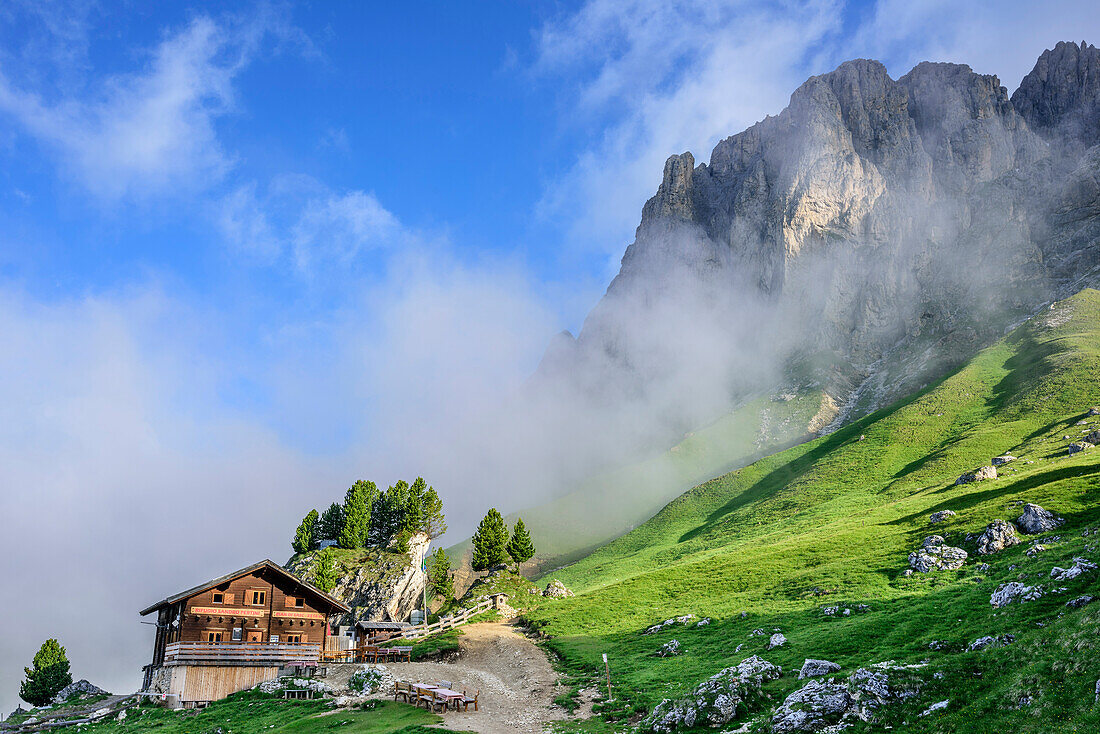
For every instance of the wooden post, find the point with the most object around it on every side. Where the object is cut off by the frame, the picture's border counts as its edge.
(607, 667)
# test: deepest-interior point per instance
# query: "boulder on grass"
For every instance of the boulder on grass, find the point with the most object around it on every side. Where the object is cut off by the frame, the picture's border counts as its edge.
(935, 556)
(980, 474)
(997, 536)
(1003, 459)
(941, 516)
(81, 688)
(716, 701)
(556, 590)
(1037, 520)
(669, 649)
(815, 668)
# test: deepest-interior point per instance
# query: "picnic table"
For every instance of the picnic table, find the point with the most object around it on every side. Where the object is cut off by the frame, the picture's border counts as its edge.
(373, 653)
(445, 693)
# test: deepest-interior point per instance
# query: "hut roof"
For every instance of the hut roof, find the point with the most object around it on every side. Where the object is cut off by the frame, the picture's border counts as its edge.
(330, 601)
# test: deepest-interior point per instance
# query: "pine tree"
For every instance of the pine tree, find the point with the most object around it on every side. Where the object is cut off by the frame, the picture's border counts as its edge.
(304, 539)
(332, 523)
(389, 515)
(439, 575)
(413, 520)
(489, 541)
(48, 676)
(357, 511)
(324, 574)
(520, 547)
(433, 522)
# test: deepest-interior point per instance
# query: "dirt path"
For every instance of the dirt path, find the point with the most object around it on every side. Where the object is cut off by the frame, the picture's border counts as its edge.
(515, 678)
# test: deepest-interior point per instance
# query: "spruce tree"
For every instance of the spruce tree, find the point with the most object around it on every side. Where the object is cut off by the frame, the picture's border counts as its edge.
(48, 676)
(520, 547)
(324, 574)
(439, 575)
(413, 520)
(490, 541)
(331, 524)
(357, 511)
(433, 522)
(389, 514)
(304, 539)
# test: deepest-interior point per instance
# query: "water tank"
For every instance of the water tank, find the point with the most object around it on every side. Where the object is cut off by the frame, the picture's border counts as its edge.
(417, 617)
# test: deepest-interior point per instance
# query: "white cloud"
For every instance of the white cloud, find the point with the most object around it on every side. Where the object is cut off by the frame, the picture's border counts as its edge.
(1002, 37)
(128, 473)
(661, 78)
(649, 79)
(152, 131)
(339, 227)
(300, 220)
(125, 475)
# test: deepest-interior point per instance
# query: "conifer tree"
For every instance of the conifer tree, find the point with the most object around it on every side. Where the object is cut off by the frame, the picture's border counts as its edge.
(490, 541)
(49, 674)
(324, 574)
(304, 539)
(520, 547)
(331, 524)
(439, 575)
(433, 522)
(357, 511)
(413, 519)
(389, 514)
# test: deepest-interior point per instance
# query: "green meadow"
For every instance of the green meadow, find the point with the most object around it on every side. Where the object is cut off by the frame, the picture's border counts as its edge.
(831, 523)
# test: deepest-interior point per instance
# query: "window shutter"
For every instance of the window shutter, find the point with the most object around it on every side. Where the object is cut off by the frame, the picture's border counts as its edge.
(228, 598)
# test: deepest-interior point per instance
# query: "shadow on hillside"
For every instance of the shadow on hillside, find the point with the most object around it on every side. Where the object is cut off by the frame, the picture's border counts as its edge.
(973, 499)
(773, 480)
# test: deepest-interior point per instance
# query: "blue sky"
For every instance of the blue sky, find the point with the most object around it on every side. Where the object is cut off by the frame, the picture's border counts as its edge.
(251, 251)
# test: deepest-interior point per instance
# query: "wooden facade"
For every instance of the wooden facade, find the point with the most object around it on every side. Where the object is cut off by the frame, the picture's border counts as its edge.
(259, 617)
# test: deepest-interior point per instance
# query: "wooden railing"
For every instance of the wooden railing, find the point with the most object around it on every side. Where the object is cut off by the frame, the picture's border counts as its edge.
(240, 653)
(451, 621)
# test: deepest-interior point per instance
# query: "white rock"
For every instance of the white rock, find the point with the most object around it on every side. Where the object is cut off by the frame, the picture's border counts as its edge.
(938, 706)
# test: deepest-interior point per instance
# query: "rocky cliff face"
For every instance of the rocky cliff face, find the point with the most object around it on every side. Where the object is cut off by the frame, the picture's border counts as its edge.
(872, 235)
(377, 585)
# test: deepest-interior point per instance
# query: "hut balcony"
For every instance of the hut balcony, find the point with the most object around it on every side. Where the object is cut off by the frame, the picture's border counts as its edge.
(241, 653)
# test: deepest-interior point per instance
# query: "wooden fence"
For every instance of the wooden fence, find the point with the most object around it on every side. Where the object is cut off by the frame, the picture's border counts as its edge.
(240, 653)
(451, 621)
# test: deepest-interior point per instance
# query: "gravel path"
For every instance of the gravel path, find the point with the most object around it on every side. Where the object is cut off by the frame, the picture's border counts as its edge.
(515, 678)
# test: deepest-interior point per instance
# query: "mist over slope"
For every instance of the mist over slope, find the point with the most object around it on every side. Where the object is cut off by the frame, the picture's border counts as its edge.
(862, 243)
(814, 542)
(870, 236)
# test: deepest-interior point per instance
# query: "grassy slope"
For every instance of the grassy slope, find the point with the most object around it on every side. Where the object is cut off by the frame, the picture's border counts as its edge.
(253, 713)
(613, 503)
(839, 515)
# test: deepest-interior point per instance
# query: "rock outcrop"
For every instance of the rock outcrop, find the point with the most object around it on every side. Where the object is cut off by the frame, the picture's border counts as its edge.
(935, 556)
(1005, 594)
(377, 585)
(997, 536)
(1037, 520)
(556, 590)
(78, 689)
(941, 516)
(816, 668)
(821, 704)
(980, 474)
(1080, 566)
(716, 701)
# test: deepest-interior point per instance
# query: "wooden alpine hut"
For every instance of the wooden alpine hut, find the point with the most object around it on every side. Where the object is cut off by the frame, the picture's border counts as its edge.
(235, 631)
